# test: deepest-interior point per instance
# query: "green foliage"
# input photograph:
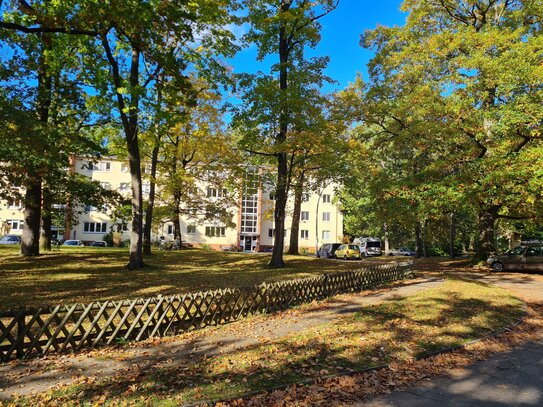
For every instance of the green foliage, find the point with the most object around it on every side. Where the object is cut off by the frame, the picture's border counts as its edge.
(451, 114)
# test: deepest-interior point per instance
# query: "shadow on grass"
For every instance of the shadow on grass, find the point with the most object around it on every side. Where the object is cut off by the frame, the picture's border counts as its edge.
(394, 331)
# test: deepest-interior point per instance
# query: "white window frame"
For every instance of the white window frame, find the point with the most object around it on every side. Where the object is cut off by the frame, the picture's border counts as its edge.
(215, 231)
(304, 234)
(326, 198)
(326, 235)
(304, 216)
(91, 227)
(191, 229)
(20, 223)
(326, 216)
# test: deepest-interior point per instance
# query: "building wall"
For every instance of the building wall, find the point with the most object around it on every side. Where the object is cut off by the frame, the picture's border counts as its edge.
(322, 221)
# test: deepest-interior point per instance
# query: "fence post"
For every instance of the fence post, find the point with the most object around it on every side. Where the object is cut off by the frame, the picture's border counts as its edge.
(326, 288)
(20, 338)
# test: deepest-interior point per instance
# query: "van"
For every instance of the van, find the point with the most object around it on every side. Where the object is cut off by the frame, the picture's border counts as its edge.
(369, 246)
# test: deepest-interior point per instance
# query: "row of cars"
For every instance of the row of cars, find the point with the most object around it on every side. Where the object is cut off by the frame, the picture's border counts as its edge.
(14, 239)
(355, 251)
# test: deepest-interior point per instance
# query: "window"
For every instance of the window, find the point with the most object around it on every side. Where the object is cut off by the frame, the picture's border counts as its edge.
(326, 216)
(95, 227)
(16, 224)
(90, 208)
(170, 229)
(124, 227)
(100, 166)
(147, 169)
(124, 167)
(272, 196)
(14, 204)
(191, 229)
(305, 215)
(325, 235)
(271, 232)
(305, 197)
(326, 198)
(146, 188)
(304, 234)
(216, 192)
(533, 251)
(215, 231)
(124, 186)
(105, 185)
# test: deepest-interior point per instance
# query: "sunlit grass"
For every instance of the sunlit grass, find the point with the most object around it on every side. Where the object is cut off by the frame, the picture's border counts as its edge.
(88, 274)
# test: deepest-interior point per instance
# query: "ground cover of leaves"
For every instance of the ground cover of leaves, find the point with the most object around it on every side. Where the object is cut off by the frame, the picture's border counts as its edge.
(394, 332)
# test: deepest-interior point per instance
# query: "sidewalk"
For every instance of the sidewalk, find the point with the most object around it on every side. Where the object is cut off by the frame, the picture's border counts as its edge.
(38, 375)
(506, 379)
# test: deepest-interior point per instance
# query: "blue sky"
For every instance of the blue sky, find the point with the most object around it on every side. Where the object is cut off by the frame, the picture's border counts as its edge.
(340, 38)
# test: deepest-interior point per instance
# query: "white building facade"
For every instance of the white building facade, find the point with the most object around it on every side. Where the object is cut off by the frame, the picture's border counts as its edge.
(321, 220)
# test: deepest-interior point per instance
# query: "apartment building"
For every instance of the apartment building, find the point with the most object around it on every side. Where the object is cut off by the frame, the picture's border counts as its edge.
(254, 230)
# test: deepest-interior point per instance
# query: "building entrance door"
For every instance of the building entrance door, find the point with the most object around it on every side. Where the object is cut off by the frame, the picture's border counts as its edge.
(247, 244)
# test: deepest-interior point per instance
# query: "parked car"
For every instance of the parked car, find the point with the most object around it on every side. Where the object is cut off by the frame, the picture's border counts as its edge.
(348, 251)
(402, 251)
(10, 239)
(73, 243)
(328, 250)
(99, 243)
(521, 258)
(369, 246)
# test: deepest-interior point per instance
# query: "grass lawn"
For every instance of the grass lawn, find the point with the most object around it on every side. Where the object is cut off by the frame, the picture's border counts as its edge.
(391, 332)
(89, 274)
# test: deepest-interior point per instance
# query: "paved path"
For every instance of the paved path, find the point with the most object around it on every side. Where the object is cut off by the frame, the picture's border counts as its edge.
(506, 379)
(32, 376)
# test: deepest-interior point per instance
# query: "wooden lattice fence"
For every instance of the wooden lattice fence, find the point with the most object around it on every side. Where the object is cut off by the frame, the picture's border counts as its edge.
(27, 332)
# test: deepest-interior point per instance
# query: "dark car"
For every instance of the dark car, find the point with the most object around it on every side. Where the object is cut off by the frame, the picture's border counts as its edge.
(10, 239)
(99, 243)
(522, 258)
(328, 250)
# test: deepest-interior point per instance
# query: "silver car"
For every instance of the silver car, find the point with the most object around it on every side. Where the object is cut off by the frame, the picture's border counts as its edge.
(521, 258)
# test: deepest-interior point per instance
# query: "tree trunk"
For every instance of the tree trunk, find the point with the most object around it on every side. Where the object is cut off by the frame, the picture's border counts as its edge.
(387, 242)
(134, 162)
(452, 235)
(486, 242)
(282, 161)
(151, 204)
(279, 212)
(30, 240)
(418, 241)
(46, 219)
(425, 251)
(295, 227)
(152, 188)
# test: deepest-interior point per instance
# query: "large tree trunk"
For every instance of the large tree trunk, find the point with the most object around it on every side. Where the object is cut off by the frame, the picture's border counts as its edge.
(486, 240)
(129, 117)
(425, 251)
(30, 241)
(281, 138)
(295, 227)
(418, 241)
(279, 212)
(134, 162)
